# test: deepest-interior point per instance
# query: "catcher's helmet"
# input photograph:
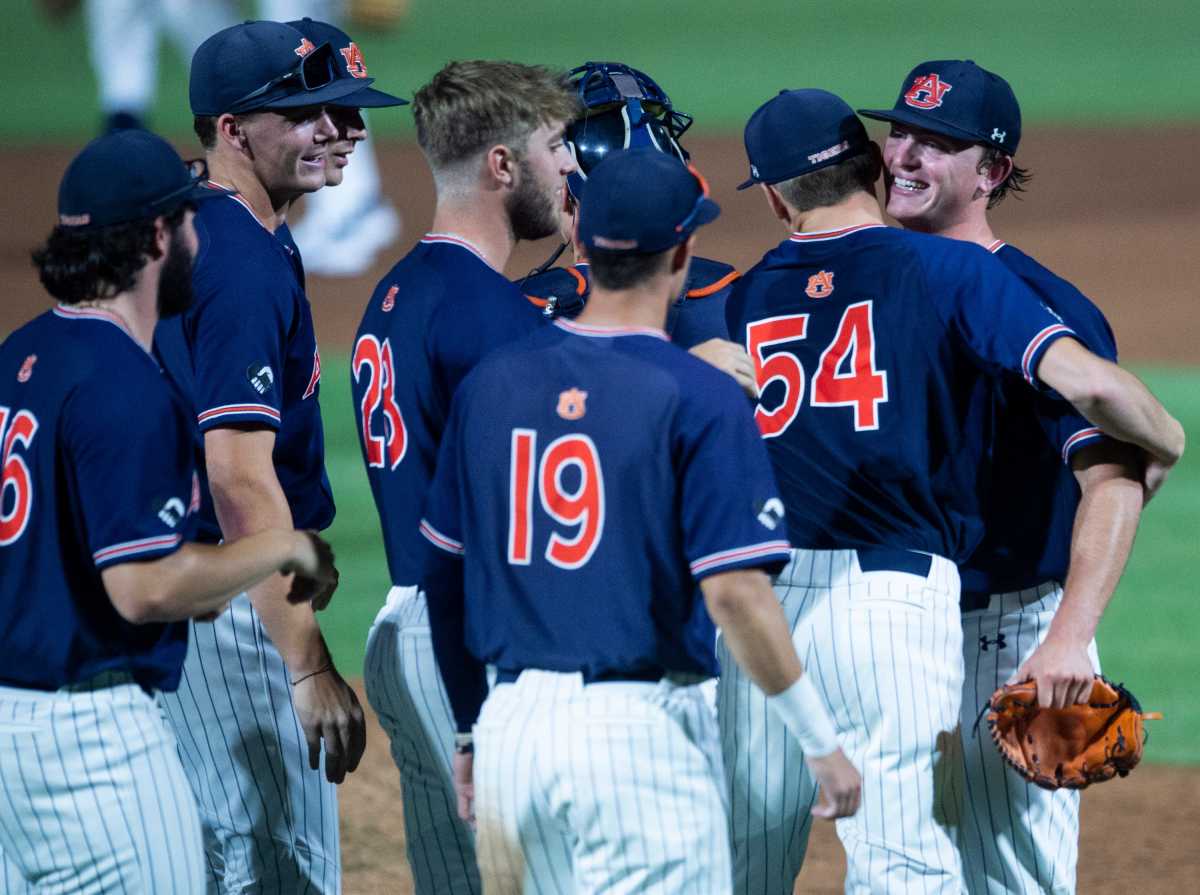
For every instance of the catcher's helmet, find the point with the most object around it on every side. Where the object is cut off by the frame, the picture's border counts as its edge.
(623, 109)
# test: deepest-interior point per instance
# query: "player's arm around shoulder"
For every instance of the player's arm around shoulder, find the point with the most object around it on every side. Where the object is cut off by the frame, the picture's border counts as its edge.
(248, 499)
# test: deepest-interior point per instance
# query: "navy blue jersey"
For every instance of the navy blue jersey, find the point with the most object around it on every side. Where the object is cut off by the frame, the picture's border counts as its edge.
(872, 347)
(245, 353)
(1032, 494)
(431, 319)
(696, 316)
(97, 471)
(590, 476)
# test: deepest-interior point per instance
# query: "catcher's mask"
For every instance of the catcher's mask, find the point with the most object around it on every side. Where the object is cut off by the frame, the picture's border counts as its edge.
(623, 109)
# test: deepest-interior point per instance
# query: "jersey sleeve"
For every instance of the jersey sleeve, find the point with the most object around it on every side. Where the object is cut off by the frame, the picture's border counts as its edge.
(238, 344)
(732, 515)
(133, 474)
(1001, 320)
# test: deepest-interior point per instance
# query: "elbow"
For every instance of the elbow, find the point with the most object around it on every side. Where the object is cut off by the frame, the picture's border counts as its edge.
(736, 594)
(138, 605)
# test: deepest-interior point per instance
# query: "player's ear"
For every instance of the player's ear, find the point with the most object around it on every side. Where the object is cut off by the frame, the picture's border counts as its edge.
(682, 254)
(993, 171)
(230, 130)
(876, 161)
(162, 236)
(778, 206)
(501, 165)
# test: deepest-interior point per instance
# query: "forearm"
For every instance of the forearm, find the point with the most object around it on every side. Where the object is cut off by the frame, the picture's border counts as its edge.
(1105, 524)
(756, 634)
(465, 676)
(245, 507)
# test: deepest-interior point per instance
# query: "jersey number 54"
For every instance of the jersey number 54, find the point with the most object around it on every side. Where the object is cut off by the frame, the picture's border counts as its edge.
(846, 373)
(16, 486)
(581, 507)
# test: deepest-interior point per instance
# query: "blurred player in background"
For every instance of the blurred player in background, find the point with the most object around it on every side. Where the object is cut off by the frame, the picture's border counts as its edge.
(597, 734)
(948, 159)
(97, 568)
(343, 230)
(492, 134)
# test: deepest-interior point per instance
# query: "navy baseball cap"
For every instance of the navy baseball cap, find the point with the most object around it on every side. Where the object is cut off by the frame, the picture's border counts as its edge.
(128, 175)
(265, 65)
(957, 98)
(643, 201)
(350, 64)
(798, 132)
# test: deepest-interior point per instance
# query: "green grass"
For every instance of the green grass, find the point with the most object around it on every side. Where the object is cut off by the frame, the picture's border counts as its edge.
(1148, 637)
(1105, 61)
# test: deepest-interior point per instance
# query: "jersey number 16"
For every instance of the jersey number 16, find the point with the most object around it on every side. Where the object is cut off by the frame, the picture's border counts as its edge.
(582, 507)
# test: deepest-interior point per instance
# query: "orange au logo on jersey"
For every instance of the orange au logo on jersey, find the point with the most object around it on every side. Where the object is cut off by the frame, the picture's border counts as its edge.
(820, 284)
(26, 368)
(572, 404)
(927, 91)
(389, 300)
(306, 47)
(355, 63)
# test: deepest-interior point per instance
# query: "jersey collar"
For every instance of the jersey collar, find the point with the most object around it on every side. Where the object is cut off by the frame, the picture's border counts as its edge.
(453, 239)
(823, 235)
(237, 197)
(605, 332)
(69, 312)
(996, 246)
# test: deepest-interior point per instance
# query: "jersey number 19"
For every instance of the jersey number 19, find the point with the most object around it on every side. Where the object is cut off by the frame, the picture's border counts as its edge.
(581, 507)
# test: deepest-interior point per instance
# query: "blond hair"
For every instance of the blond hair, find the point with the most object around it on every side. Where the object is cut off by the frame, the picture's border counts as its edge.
(472, 105)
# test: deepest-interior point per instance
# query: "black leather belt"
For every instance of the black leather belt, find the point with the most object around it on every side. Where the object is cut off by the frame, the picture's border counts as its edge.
(881, 559)
(510, 675)
(973, 602)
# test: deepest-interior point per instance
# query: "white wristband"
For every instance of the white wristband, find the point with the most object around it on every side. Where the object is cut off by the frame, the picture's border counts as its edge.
(804, 715)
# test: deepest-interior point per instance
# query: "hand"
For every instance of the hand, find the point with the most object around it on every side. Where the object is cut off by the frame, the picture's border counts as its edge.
(315, 577)
(328, 710)
(1062, 670)
(464, 786)
(841, 785)
(731, 358)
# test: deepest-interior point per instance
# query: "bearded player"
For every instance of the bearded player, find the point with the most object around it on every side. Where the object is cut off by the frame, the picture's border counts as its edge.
(948, 159)
(492, 133)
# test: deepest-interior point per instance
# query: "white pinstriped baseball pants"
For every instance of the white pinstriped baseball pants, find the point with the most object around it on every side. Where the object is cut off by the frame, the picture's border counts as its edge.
(1015, 837)
(885, 652)
(406, 692)
(611, 788)
(93, 798)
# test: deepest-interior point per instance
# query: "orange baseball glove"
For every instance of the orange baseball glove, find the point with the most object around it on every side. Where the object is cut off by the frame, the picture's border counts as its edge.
(1072, 747)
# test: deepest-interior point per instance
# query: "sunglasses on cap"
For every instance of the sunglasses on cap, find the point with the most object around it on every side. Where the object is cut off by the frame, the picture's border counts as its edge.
(314, 70)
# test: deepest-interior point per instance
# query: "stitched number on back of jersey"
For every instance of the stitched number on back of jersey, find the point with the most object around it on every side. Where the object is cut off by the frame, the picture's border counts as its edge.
(861, 385)
(16, 485)
(581, 507)
(374, 360)
(846, 373)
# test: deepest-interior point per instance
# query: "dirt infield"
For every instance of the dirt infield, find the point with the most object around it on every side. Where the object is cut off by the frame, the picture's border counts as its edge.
(1114, 212)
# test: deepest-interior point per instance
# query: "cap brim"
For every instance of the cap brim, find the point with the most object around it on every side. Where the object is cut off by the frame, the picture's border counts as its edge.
(746, 184)
(924, 122)
(334, 90)
(369, 98)
(709, 212)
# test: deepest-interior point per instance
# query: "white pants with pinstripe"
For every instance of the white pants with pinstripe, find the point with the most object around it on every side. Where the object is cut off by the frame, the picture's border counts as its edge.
(611, 788)
(270, 822)
(885, 652)
(1015, 836)
(93, 797)
(406, 692)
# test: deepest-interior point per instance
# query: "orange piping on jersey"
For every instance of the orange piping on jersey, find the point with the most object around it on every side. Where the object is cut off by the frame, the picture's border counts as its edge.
(580, 280)
(713, 287)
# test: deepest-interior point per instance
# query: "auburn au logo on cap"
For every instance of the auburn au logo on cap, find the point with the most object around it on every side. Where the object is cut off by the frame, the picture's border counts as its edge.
(306, 47)
(355, 63)
(572, 404)
(927, 91)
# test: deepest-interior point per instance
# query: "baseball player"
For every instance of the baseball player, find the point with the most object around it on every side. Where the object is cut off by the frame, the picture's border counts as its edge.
(97, 571)
(492, 134)
(262, 710)
(874, 350)
(949, 158)
(598, 762)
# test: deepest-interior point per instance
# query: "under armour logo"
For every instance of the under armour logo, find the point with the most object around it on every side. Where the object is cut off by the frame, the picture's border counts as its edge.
(753, 170)
(999, 135)
(998, 642)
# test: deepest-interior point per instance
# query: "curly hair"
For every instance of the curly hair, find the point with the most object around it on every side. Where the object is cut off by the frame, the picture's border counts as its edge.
(84, 264)
(1013, 183)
